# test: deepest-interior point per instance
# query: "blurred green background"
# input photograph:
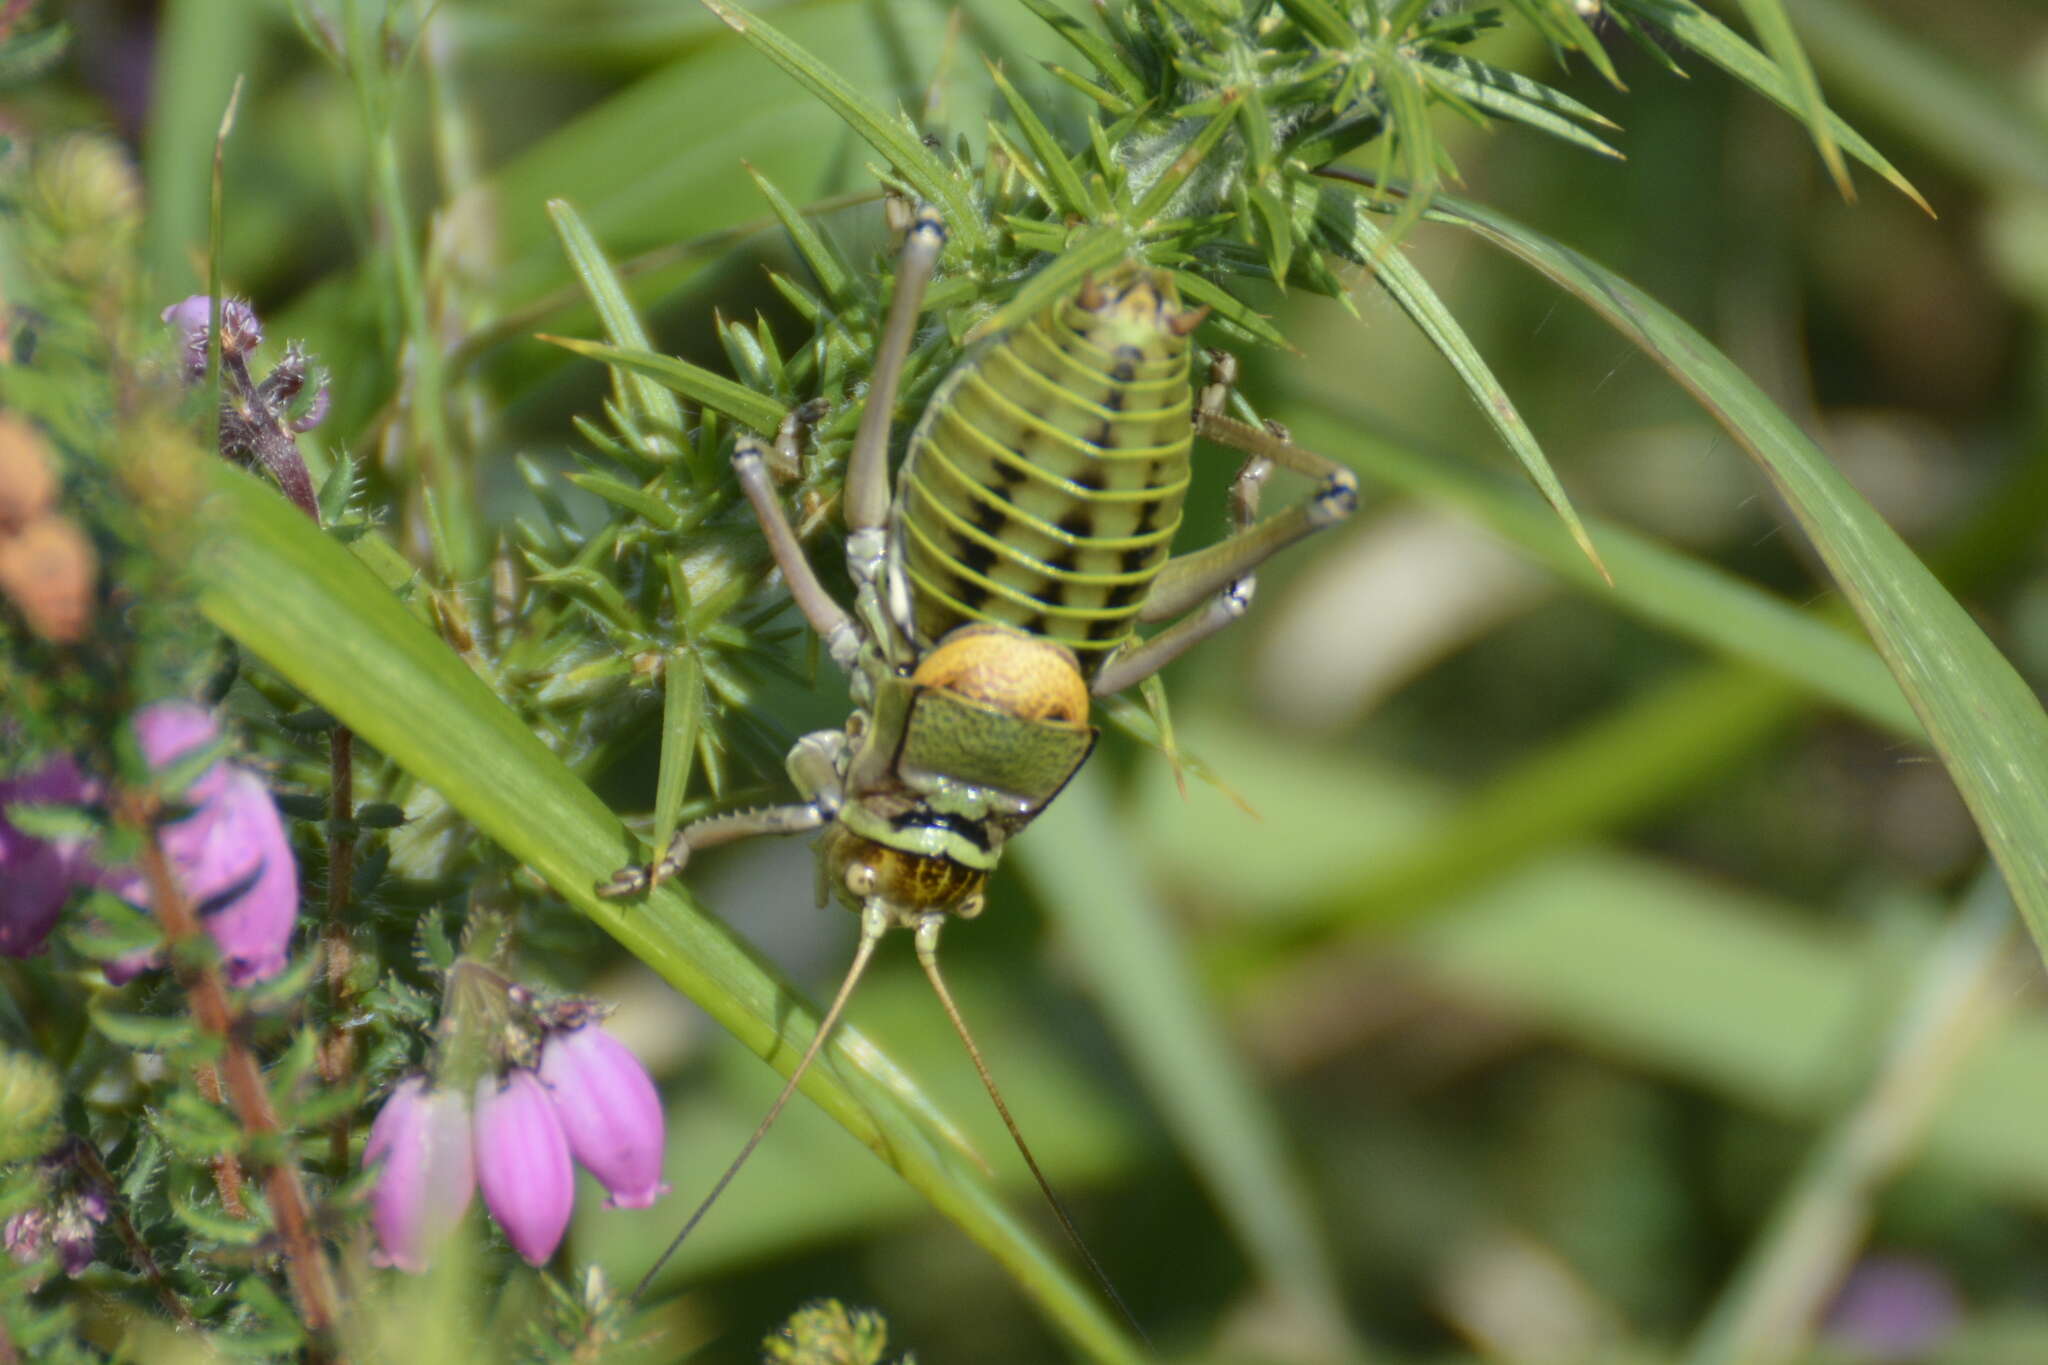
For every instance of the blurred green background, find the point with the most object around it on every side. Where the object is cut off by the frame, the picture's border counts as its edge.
(1563, 984)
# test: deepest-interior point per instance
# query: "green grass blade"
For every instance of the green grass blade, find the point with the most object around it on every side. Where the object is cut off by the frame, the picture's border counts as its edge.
(1347, 226)
(1080, 864)
(1770, 1310)
(1774, 27)
(1688, 597)
(917, 164)
(1721, 45)
(201, 45)
(652, 405)
(1986, 723)
(1981, 123)
(302, 603)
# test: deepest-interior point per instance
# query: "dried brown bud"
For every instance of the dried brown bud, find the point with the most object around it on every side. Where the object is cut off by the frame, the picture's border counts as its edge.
(49, 569)
(28, 484)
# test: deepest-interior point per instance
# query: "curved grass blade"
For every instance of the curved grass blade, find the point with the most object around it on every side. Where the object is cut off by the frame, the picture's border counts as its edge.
(1774, 27)
(1674, 592)
(1148, 988)
(651, 405)
(1703, 33)
(303, 603)
(917, 164)
(1985, 722)
(1348, 230)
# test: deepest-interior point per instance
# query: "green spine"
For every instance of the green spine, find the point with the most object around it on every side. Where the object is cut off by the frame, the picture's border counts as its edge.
(1043, 485)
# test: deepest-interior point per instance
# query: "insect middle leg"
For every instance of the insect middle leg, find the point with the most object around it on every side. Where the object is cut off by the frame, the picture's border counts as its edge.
(1226, 573)
(813, 767)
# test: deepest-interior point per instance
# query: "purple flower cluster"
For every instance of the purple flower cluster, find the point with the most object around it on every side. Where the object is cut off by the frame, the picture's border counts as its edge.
(230, 854)
(67, 1225)
(589, 1099)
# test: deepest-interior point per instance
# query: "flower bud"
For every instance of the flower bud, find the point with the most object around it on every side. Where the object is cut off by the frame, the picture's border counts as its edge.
(36, 875)
(230, 855)
(522, 1163)
(75, 1226)
(609, 1111)
(192, 315)
(427, 1173)
(49, 570)
(28, 483)
(24, 1234)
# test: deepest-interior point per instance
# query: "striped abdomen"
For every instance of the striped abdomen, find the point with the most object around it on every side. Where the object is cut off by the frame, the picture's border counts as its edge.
(1043, 485)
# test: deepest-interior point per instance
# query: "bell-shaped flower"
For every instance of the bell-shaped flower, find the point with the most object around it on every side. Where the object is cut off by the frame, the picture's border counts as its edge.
(36, 875)
(522, 1163)
(230, 855)
(420, 1143)
(609, 1111)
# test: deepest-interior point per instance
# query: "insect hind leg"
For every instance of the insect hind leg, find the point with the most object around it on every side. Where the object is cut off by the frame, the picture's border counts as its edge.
(1226, 573)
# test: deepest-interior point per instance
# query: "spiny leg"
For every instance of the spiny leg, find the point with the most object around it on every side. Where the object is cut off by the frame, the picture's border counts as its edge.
(874, 922)
(834, 624)
(928, 927)
(1225, 573)
(710, 832)
(814, 767)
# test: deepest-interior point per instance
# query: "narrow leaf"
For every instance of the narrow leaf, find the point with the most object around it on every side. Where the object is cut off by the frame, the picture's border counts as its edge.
(1721, 45)
(1774, 26)
(1352, 234)
(1986, 723)
(735, 400)
(682, 710)
(652, 405)
(915, 162)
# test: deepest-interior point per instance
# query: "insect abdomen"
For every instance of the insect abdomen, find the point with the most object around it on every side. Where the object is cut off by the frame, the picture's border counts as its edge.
(1043, 486)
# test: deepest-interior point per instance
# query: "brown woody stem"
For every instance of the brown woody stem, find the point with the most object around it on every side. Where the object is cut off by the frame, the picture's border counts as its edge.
(305, 1262)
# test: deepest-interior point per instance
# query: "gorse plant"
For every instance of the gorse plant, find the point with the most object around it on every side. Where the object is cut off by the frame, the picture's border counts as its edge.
(296, 771)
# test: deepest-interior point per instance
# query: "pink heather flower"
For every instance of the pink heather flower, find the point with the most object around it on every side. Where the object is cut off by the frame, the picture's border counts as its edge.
(427, 1175)
(608, 1110)
(522, 1162)
(36, 875)
(230, 855)
(24, 1234)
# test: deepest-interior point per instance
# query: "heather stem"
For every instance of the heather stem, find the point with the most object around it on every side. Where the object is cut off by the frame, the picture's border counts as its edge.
(337, 1048)
(305, 1261)
(88, 1158)
(227, 1167)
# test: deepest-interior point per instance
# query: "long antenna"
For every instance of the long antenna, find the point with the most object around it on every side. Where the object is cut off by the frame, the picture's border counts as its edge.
(928, 957)
(874, 922)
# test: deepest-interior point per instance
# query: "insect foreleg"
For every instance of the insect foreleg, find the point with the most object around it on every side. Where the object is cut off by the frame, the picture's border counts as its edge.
(832, 622)
(813, 766)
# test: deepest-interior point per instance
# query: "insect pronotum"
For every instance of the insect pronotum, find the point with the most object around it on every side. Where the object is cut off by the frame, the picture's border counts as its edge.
(997, 587)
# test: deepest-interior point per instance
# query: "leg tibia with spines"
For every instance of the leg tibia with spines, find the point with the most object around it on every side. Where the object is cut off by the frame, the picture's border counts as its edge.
(1225, 573)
